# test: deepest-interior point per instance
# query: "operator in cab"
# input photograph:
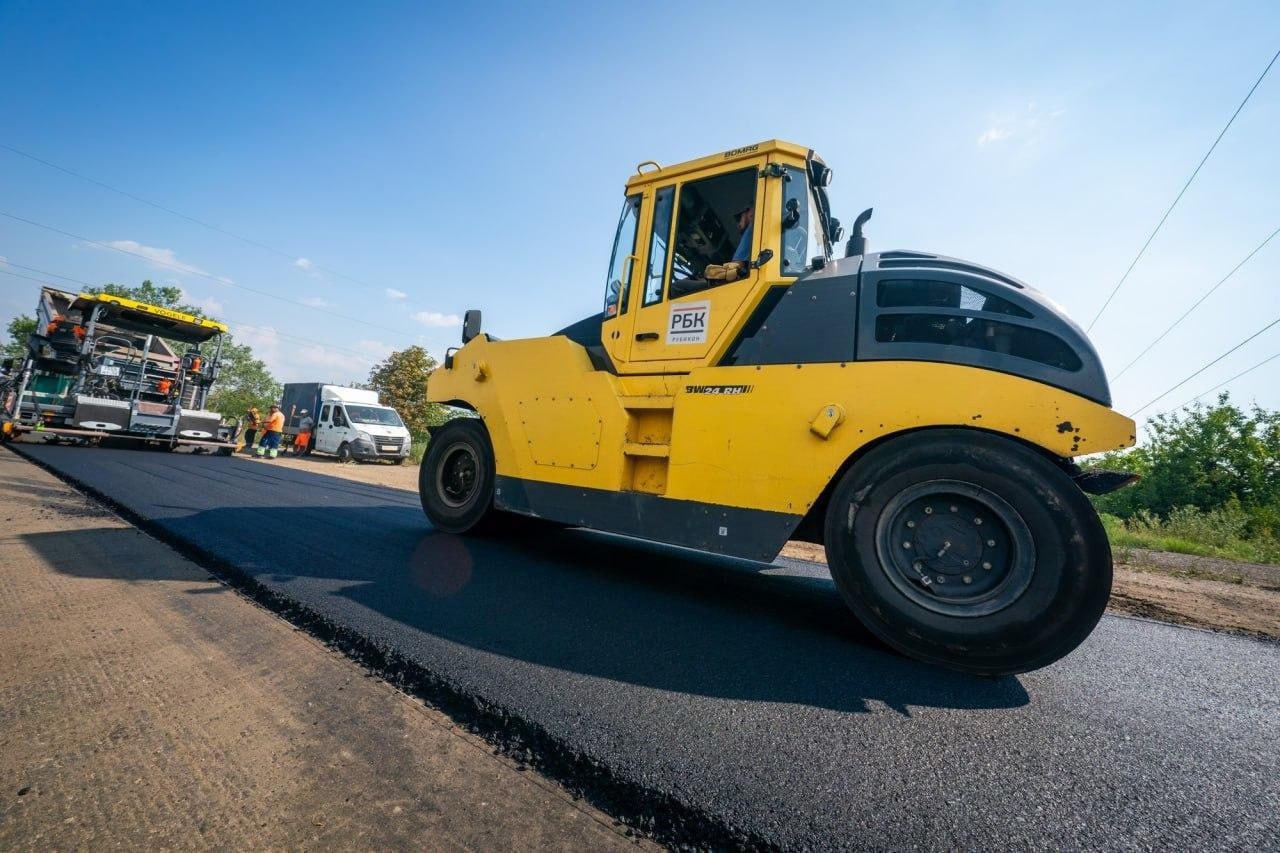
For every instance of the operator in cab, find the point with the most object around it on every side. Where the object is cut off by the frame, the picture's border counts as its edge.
(738, 265)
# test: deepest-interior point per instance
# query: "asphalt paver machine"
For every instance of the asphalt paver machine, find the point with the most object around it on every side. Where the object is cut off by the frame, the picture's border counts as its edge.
(100, 365)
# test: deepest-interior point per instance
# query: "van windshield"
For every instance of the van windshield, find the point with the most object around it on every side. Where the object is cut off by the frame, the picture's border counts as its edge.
(378, 415)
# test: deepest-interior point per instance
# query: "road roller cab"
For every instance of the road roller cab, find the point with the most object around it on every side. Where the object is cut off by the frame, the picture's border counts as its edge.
(743, 384)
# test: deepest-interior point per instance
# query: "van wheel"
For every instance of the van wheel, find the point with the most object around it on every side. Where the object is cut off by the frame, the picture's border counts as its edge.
(344, 453)
(456, 477)
(968, 550)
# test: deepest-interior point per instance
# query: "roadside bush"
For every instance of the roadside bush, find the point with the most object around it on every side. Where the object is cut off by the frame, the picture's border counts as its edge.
(419, 447)
(1210, 484)
(1223, 533)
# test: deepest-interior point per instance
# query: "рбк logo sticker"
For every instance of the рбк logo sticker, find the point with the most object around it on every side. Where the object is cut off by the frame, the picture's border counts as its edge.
(687, 322)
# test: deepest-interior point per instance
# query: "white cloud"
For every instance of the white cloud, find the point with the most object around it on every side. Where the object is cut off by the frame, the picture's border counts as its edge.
(303, 264)
(994, 134)
(437, 320)
(392, 293)
(165, 258)
(1028, 124)
(291, 360)
(315, 302)
(208, 305)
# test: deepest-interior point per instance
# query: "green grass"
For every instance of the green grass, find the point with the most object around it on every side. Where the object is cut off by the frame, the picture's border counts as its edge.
(1188, 531)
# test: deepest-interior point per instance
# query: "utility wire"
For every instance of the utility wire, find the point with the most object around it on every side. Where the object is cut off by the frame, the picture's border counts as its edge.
(1274, 322)
(324, 344)
(1265, 361)
(188, 270)
(1196, 305)
(1181, 192)
(250, 241)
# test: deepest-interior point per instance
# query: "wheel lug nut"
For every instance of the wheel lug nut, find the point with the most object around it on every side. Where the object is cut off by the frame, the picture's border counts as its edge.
(917, 566)
(966, 563)
(911, 524)
(967, 579)
(986, 566)
(941, 579)
(928, 510)
(991, 543)
(977, 521)
(955, 508)
(906, 544)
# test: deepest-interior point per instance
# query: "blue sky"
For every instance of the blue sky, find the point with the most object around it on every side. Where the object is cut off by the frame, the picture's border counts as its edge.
(450, 158)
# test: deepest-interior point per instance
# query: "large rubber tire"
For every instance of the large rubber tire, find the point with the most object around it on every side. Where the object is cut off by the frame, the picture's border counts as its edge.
(909, 552)
(344, 453)
(456, 478)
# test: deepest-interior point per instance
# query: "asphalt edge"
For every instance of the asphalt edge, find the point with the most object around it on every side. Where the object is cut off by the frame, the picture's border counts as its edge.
(654, 814)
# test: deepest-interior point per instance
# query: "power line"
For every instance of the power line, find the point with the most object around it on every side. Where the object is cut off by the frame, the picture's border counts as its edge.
(1265, 361)
(1274, 322)
(202, 274)
(271, 329)
(1181, 192)
(250, 241)
(1186, 313)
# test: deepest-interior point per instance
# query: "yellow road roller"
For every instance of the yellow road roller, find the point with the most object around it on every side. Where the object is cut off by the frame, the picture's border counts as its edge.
(743, 385)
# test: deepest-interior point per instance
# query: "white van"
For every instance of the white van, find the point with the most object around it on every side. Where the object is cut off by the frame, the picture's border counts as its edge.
(350, 423)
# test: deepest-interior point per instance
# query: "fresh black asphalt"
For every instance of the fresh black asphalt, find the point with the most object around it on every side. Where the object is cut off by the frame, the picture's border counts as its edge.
(742, 690)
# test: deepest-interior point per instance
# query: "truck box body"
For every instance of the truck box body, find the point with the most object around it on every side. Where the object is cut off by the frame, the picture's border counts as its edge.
(345, 417)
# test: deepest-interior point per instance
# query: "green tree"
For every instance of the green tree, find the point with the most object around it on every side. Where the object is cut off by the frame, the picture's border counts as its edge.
(165, 296)
(19, 328)
(1208, 457)
(401, 382)
(244, 381)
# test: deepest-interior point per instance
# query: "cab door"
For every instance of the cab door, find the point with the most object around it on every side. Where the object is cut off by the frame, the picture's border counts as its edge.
(324, 431)
(615, 329)
(695, 224)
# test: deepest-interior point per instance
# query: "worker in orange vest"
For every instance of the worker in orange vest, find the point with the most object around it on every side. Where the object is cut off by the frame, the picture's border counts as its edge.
(269, 445)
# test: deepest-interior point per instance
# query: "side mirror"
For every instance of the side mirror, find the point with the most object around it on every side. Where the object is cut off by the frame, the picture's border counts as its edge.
(791, 214)
(824, 176)
(6, 365)
(470, 324)
(837, 230)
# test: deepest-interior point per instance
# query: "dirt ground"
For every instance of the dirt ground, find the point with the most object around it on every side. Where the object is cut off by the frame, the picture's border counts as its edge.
(145, 705)
(1223, 595)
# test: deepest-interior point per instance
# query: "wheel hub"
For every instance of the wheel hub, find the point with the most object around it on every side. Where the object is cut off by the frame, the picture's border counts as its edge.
(456, 476)
(955, 548)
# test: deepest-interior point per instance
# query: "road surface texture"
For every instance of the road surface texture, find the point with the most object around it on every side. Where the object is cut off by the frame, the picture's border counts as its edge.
(145, 705)
(736, 701)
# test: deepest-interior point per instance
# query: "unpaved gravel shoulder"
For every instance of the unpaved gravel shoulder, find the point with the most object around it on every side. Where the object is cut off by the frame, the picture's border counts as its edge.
(1222, 595)
(143, 704)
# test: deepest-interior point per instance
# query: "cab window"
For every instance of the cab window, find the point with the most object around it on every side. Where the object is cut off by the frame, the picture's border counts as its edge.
(655, 271)
(801, 225)
(324, 414)
(714, 226)
(624, 245)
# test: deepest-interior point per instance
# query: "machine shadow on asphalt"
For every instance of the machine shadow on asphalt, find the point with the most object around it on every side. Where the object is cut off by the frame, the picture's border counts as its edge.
(581, 602)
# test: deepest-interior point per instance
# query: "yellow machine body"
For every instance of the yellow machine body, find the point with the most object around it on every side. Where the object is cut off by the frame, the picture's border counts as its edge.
(669, 442)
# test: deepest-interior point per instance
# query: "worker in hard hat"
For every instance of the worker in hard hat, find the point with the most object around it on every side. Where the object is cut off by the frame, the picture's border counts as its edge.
(302, 440)
(269, 445)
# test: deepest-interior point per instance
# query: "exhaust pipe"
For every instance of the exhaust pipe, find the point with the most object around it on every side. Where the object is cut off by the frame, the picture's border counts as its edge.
(857, 244)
